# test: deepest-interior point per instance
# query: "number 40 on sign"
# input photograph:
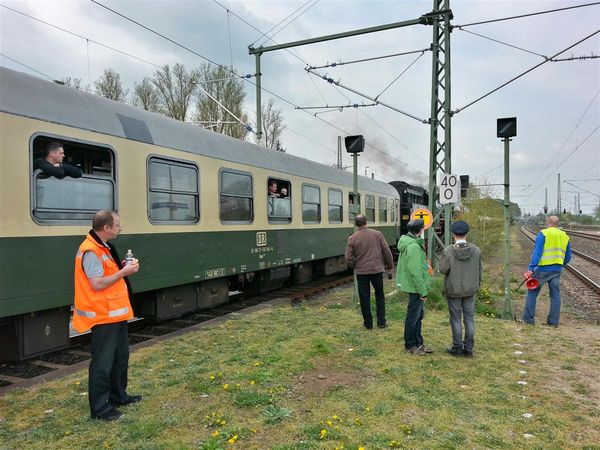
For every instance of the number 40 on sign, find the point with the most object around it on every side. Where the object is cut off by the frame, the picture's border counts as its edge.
(449, 189)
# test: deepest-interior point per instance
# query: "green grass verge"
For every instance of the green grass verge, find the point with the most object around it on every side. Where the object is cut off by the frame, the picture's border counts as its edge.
(310, 377)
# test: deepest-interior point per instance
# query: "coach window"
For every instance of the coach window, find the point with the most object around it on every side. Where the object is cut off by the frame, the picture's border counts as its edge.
(311, 204)
(351, 202)
(279, 200)
(73, 201)
(383, 214)
(236, 197)
(370, 208)
(172, 191)
(335, 206)
(393, 211)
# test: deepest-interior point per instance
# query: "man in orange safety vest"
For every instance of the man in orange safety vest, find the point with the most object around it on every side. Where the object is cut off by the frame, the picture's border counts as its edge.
(102, 305)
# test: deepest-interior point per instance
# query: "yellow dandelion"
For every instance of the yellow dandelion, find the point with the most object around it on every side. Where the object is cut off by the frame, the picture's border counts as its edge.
(212, 377)
(335, 417)
(323, 434)
(252, 382)
(329, 422)
(215, 433)
(361, 448)
(233, 439)
(67, 433)
(253, 430)
(367, 409)
(237, 385)
(225, 386)
(77, 383)
(223, 422)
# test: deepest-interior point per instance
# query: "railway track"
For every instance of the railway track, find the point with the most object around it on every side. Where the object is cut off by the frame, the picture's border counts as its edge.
(585, 267)
(143, 334)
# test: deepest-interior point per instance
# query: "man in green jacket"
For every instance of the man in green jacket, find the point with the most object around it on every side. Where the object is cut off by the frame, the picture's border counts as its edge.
(413, 277)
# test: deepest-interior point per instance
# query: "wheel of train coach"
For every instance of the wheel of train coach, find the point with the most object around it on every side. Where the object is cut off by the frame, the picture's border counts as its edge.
(205, 214)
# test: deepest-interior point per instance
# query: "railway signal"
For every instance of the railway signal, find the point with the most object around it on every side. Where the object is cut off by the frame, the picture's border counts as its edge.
(506, 128)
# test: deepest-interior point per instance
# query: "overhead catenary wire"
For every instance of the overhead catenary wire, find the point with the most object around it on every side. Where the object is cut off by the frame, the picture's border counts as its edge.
(28, 67)
(290, 22)
(337, 83)
(398, 77)
(342, 63)
(266, 33)
(456, 111)
(520, 16)
(504, 43)
(565, 143)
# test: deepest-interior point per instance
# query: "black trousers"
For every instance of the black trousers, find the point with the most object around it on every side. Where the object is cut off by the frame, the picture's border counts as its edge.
(108, 368)
(364, 293)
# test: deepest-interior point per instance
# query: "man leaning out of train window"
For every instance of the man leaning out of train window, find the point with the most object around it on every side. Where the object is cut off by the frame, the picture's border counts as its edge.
(52, 163)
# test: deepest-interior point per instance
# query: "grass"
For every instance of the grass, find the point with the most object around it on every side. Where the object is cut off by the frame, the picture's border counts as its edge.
(310, 377)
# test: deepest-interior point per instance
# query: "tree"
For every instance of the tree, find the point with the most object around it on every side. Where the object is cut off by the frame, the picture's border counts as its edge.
(228, 90)
(175, 89)
(109, 86)
(145, 96)
(272, 126)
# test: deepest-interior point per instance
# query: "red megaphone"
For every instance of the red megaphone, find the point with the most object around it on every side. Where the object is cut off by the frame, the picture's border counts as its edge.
(532, 283)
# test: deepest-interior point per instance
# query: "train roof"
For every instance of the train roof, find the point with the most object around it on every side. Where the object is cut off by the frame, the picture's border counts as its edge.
(28, 96)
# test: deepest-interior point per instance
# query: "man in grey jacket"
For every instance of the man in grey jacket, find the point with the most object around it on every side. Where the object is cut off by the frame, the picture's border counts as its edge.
(461, 265)
(369, 255)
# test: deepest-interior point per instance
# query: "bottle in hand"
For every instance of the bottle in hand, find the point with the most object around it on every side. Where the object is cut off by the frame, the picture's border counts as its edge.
(128, 257)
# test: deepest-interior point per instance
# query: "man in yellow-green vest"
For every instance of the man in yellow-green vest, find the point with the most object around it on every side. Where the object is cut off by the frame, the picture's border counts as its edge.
(551, 252)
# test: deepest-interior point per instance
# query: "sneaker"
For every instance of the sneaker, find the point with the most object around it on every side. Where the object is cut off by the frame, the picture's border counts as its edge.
(550, 325)
(467, 353)
(416, 351)
(109, 415)
(454, 352)
(425, 349)
(131, 399)
(382, 326)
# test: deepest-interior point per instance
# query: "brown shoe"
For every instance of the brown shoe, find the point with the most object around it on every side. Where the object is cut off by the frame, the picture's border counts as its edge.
(416, 351)
(425, 349)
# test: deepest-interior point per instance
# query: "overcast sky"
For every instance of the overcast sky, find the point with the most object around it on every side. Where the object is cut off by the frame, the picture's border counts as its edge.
(557, 105)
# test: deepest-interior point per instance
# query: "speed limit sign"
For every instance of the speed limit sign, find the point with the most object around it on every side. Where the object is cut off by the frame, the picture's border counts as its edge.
(449, 189)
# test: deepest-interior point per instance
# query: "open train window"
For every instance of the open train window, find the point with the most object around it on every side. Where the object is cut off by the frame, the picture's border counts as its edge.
(69, 200)
(172, 191)
(351, 202)
(236, 196)
(279, 200)
(383, 214)
(311, 204)
(370, 208)
(336, 207)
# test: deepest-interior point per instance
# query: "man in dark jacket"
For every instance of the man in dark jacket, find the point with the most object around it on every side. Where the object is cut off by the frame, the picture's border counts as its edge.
(52, 163)
(369, 255)
(461, 265)
(414, 277)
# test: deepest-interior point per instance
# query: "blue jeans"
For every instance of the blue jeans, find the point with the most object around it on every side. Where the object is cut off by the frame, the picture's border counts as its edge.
(553, 280)
(412, 324)
(464, 306)
(364, 292)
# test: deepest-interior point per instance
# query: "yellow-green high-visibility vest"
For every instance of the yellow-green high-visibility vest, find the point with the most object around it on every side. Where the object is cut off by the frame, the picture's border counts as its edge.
(555, 246)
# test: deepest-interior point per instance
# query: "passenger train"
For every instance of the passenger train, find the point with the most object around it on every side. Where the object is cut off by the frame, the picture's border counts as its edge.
(194, 206)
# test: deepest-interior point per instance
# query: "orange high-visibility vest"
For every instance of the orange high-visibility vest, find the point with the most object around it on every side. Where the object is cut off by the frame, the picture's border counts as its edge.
(97, 307)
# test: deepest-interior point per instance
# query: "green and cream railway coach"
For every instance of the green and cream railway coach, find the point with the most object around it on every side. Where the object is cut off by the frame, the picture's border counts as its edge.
(195, 208)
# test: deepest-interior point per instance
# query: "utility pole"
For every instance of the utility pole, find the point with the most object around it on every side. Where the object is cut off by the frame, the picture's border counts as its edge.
(546, 203)
(440, 128)
(558, 205)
